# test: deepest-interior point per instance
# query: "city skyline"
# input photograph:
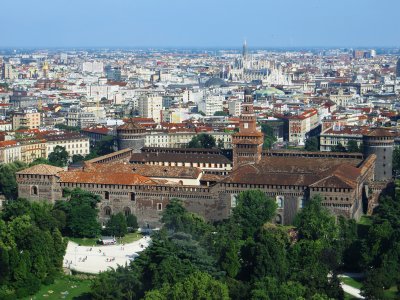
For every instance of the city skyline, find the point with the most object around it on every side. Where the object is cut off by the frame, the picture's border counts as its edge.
(177, 24)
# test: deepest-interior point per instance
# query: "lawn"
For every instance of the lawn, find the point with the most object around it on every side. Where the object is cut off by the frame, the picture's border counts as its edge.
(349, 297)
(357, 283)
(354, 282)
(128, 238)
(65, 287)
(365, 220)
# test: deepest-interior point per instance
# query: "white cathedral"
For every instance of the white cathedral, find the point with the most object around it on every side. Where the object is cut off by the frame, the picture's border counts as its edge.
(247, 69)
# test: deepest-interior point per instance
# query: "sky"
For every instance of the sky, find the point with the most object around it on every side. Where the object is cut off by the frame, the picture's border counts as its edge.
(200, 23)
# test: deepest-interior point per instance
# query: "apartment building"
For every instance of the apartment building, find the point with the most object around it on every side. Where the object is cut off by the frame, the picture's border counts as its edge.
(29, 118)
(150, 106)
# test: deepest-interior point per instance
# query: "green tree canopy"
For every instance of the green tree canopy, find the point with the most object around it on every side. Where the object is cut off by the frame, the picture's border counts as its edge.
(8, 183)
(199, 285)
(131, 222)
(81, 213)
(202, 140)
(252, 210)
(352, 146)
(116, 225)
(312, 144)
(220, 113)
(314, 222)
(59, 156)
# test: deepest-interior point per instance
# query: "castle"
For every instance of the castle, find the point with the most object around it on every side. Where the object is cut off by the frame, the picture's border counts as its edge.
(207, 182)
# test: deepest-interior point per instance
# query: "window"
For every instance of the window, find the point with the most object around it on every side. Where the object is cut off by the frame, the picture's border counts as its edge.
(107, 211)
(107, 195)
(127, 211)
(34, 190)
(278, 219)
(132, 196)
(159, 206)
(279, 201)
(233, 200)
(301, 202)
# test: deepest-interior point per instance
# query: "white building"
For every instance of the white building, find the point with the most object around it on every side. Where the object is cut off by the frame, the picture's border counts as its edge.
(211, 104)
(92, 67)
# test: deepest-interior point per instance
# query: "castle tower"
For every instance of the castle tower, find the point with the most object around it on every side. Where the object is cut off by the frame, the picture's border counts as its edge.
(247, 143)
(380, 142)
(131, 135)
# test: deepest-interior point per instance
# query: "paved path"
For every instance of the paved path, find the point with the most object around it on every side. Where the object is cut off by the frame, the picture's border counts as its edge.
(349, 289)
(352, 291)
(101, 258)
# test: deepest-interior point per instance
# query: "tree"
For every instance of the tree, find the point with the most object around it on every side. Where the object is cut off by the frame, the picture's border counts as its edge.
(312, 144)
(77, 158)
(8, 183)
(199, 285)
(176, 218)
(396, 160)
(117, 226)
(103, 147)
(121, 283)
(352, 146)
(81, 213)
(220, 113)
(269, 136)
(131, 222)
(59, 156)
(31, 248)
(266, 255)
(252, 210)
(271, 288)
(314, 222)
(39, 161)
(338, 148)
(202, 140)
(83, 221)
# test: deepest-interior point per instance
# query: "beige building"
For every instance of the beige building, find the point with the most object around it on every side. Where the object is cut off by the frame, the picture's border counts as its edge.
(150, 106)
(32, 149)
(27, 118)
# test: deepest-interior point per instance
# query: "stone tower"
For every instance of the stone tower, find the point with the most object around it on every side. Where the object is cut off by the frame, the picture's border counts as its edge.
(247, 143)
(380, 141)
(131, 135)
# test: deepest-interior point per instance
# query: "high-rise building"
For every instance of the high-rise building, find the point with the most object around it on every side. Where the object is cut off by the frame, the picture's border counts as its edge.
(150, 106)
(113, 73)
(398, 68)
(7, 71)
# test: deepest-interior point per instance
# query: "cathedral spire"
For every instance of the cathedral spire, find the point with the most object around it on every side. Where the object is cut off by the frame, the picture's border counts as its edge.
(245, 51)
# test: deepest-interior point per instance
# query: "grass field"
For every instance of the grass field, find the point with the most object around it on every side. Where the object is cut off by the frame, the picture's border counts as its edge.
(356, 283)
(128, 238)
(365, 220)
(65, 287)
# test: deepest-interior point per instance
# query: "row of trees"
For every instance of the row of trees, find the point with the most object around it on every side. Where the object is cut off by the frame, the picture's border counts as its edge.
(243, 257)
(31, 248)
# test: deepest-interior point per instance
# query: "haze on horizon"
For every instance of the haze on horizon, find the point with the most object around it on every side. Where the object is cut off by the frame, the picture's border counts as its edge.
(206, 23)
